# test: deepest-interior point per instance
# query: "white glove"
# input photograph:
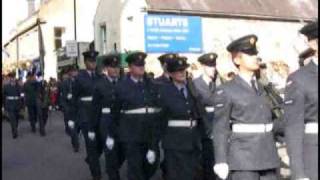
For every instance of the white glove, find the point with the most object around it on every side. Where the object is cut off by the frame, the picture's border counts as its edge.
(151, 156)
(71, 124)
(222, 170)
(109, 143)
(91, 135)
(69, 96)
(22, 95)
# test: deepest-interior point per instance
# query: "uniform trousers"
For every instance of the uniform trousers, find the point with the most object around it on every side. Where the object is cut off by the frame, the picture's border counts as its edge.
(138, 166)
(254, 175)
(32, 115)
(310, 155)
(92, 150)
(13, 118)
(181, 164)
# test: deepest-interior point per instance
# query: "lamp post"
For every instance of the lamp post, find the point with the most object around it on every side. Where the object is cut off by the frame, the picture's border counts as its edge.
(75, 28)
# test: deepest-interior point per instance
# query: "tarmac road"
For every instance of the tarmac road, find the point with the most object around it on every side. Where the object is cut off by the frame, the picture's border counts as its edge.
(32, 157)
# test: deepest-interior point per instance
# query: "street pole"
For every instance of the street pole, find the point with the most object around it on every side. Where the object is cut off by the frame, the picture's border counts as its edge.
(75, 28)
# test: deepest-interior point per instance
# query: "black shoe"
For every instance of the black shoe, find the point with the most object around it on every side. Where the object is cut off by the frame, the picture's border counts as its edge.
(15, 136)
(42, 134)
(33, 129)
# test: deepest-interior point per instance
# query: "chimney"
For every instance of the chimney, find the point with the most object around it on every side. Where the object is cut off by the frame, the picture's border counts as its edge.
(31, 7)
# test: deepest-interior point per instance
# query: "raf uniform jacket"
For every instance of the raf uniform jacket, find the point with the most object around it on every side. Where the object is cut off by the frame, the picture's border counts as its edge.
(10, 91)
(130, 95)
(206, 97)
(176, 107)
(66, 94)
(162, 79)
(83, 87)
(300, 107)
(236, 102)
(31, 89)
(104, 97)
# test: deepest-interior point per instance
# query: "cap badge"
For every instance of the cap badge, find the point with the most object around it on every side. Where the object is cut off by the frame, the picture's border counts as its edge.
(211, 56)
(180, 62)
(252, 41)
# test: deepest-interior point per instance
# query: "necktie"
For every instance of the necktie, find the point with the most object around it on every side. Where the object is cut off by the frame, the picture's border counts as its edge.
(182, 92)
(212, 86)
(253, 85)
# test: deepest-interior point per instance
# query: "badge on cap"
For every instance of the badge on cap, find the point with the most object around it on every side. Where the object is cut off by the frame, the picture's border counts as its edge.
(289, 83)
(171, 56)
(252, 41)
(211, 56)
(180, 62)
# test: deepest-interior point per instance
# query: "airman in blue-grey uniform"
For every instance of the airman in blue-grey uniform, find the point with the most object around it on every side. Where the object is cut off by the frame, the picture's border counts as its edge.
(12, 102)
(206, 85)
(244, 144)
(103, 116)
(179, 129)
(136, 108)
(82, 92)
(301, 113)
(73, 127)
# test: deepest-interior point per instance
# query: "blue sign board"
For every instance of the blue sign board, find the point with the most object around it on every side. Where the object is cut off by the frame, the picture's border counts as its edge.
(169, 33)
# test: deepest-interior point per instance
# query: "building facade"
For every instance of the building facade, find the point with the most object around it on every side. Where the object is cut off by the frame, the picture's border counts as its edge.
(58, 26)
(195, 27)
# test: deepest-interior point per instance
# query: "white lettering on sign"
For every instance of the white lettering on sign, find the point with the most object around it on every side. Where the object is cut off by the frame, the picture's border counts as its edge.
(168, 22)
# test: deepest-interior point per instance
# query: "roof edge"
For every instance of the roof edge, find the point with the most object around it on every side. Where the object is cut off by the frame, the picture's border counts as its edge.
(225, 15)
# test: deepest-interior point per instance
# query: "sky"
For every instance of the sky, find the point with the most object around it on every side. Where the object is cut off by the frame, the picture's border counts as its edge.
(13, 11)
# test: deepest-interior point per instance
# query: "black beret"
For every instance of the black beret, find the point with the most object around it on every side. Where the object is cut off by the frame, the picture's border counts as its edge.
(167, 57)
(208, 59)
(177, 65)
(306, 53)
(246, 44)
(136, 58)
(90, 55)
(310, 30)
(111, 60)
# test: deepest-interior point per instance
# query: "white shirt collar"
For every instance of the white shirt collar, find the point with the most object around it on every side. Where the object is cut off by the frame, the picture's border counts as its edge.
(179, 86)
(135, 80)
(315, 60)
(206, 79)
(247, 78)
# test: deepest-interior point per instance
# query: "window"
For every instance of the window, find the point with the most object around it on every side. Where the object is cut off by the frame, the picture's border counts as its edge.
(103, 35)
(58, 31)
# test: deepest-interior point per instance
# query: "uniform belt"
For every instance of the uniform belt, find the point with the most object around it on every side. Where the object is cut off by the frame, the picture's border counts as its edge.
(105, 110)
(87, 98)
(12, 97)
(182, 123)
(210, 109)
(252, 128)
(143, 110)
(311, 128)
